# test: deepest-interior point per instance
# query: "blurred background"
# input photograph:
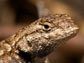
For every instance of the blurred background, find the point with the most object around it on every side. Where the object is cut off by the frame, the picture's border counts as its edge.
(15, 14)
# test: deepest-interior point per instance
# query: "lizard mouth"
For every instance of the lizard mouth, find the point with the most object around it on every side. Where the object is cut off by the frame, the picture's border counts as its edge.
(67, 32)
(72, 31)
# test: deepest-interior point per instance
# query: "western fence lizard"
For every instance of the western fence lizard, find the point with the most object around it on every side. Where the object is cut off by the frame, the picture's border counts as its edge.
(34, 42)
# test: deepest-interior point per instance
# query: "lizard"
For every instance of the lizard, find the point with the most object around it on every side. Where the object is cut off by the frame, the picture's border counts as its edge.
(34, 42)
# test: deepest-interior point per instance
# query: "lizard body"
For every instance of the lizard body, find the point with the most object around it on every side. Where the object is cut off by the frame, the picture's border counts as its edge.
(34, 42)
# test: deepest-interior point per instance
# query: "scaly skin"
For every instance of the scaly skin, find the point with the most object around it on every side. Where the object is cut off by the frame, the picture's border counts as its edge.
(34, 42)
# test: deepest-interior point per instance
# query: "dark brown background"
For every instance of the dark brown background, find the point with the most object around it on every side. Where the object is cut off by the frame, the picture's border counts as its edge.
(15, 14)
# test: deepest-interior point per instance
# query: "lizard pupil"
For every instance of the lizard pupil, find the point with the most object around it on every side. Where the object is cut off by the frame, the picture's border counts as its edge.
(46, 26)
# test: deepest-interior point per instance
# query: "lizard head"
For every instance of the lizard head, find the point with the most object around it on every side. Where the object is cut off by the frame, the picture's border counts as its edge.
(57, 27)
(48, 33)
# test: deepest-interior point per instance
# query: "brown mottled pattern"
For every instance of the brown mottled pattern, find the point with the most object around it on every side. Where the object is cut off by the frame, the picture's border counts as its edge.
(38, 39)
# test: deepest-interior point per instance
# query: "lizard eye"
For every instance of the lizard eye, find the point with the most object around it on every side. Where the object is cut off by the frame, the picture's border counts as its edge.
(46, 27)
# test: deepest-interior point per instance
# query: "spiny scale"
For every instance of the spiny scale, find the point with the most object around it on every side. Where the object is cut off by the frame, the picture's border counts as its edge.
(34, 42)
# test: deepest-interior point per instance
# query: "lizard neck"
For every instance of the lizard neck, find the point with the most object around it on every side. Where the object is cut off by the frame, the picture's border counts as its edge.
(18, 36)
